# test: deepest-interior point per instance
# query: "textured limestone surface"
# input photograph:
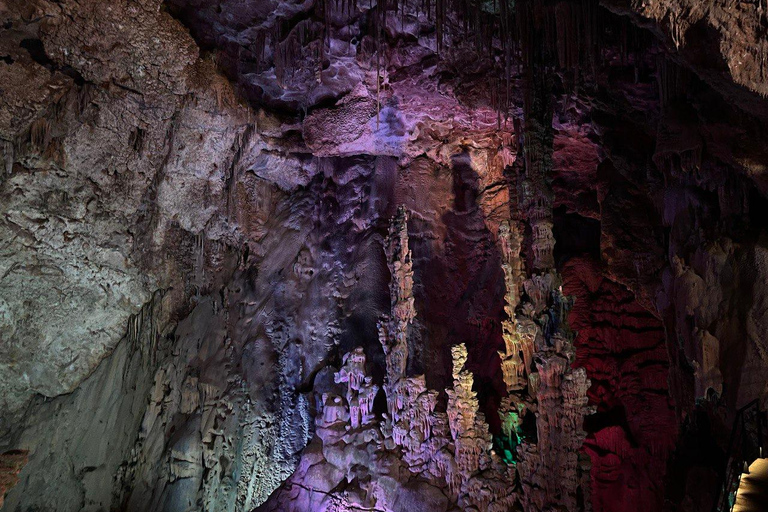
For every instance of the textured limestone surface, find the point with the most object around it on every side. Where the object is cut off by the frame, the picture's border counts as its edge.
(195, 200)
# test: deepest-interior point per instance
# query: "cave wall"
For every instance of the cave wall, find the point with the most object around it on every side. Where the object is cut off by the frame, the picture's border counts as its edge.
(622, 346)
(193, 231)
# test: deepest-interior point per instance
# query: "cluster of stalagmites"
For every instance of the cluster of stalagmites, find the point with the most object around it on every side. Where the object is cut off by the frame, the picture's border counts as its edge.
(451, 451)
(536, 367)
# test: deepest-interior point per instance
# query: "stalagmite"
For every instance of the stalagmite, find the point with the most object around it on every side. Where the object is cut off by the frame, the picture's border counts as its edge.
(515, 359)
(549, 466)
(467, 426)
(394, 331)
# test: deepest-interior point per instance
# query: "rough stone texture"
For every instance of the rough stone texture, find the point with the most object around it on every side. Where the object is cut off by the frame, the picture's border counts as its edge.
(186, 255)
(86, 206)
(11, 463)
(621, 346)
(723, 42)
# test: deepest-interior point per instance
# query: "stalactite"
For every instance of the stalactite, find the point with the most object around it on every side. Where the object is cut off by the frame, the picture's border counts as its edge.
(239, 146)
(278, 57)
(143, 325)
(40, 134)
(569, 39)
(199, 262)
(379, 18)
(259, 47)
(672, 81)
(439, 23)
(8, 156)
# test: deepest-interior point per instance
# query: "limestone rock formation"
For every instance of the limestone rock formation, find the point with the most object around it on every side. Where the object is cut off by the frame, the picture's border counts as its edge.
(321, 255)
(413, 444)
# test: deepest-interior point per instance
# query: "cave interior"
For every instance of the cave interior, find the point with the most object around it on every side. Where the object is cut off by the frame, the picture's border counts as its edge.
(383, 255)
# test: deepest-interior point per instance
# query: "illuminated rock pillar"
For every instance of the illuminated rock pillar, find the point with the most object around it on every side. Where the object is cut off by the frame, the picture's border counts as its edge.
(552, 472)
(394, 330)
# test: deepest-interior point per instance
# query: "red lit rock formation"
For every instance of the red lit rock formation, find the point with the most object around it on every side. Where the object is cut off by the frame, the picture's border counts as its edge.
(622, 348)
